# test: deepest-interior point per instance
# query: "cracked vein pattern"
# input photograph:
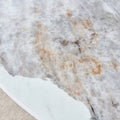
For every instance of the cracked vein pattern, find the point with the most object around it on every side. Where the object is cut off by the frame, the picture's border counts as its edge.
(75, 43)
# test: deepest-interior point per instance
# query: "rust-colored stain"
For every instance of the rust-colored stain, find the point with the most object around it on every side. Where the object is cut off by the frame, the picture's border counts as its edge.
(75, 23)
(87, 74)
(83, 60)
(115, 67)
(70, 65)
(46, 54)
(67, 66)
(96, 69)
(92, 66)
(69, 14)
(39, 35)
(39, 43)
(37, 40)
(84, 25)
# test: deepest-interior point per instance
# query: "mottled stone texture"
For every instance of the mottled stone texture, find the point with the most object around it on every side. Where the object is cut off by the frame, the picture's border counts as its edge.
(75, 43)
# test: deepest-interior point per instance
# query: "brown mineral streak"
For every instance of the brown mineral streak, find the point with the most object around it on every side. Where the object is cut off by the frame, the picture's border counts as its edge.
(47, 53)
(69, 15)
(115, 67)
(83, 60)
(40, 37)
(75, 23)
(97, 69)
(86, 23)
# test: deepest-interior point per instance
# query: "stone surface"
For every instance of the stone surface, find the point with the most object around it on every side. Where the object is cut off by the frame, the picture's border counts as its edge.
(75, 43)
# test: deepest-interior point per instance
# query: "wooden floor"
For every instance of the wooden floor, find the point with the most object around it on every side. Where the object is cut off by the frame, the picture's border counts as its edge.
(9, 110)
